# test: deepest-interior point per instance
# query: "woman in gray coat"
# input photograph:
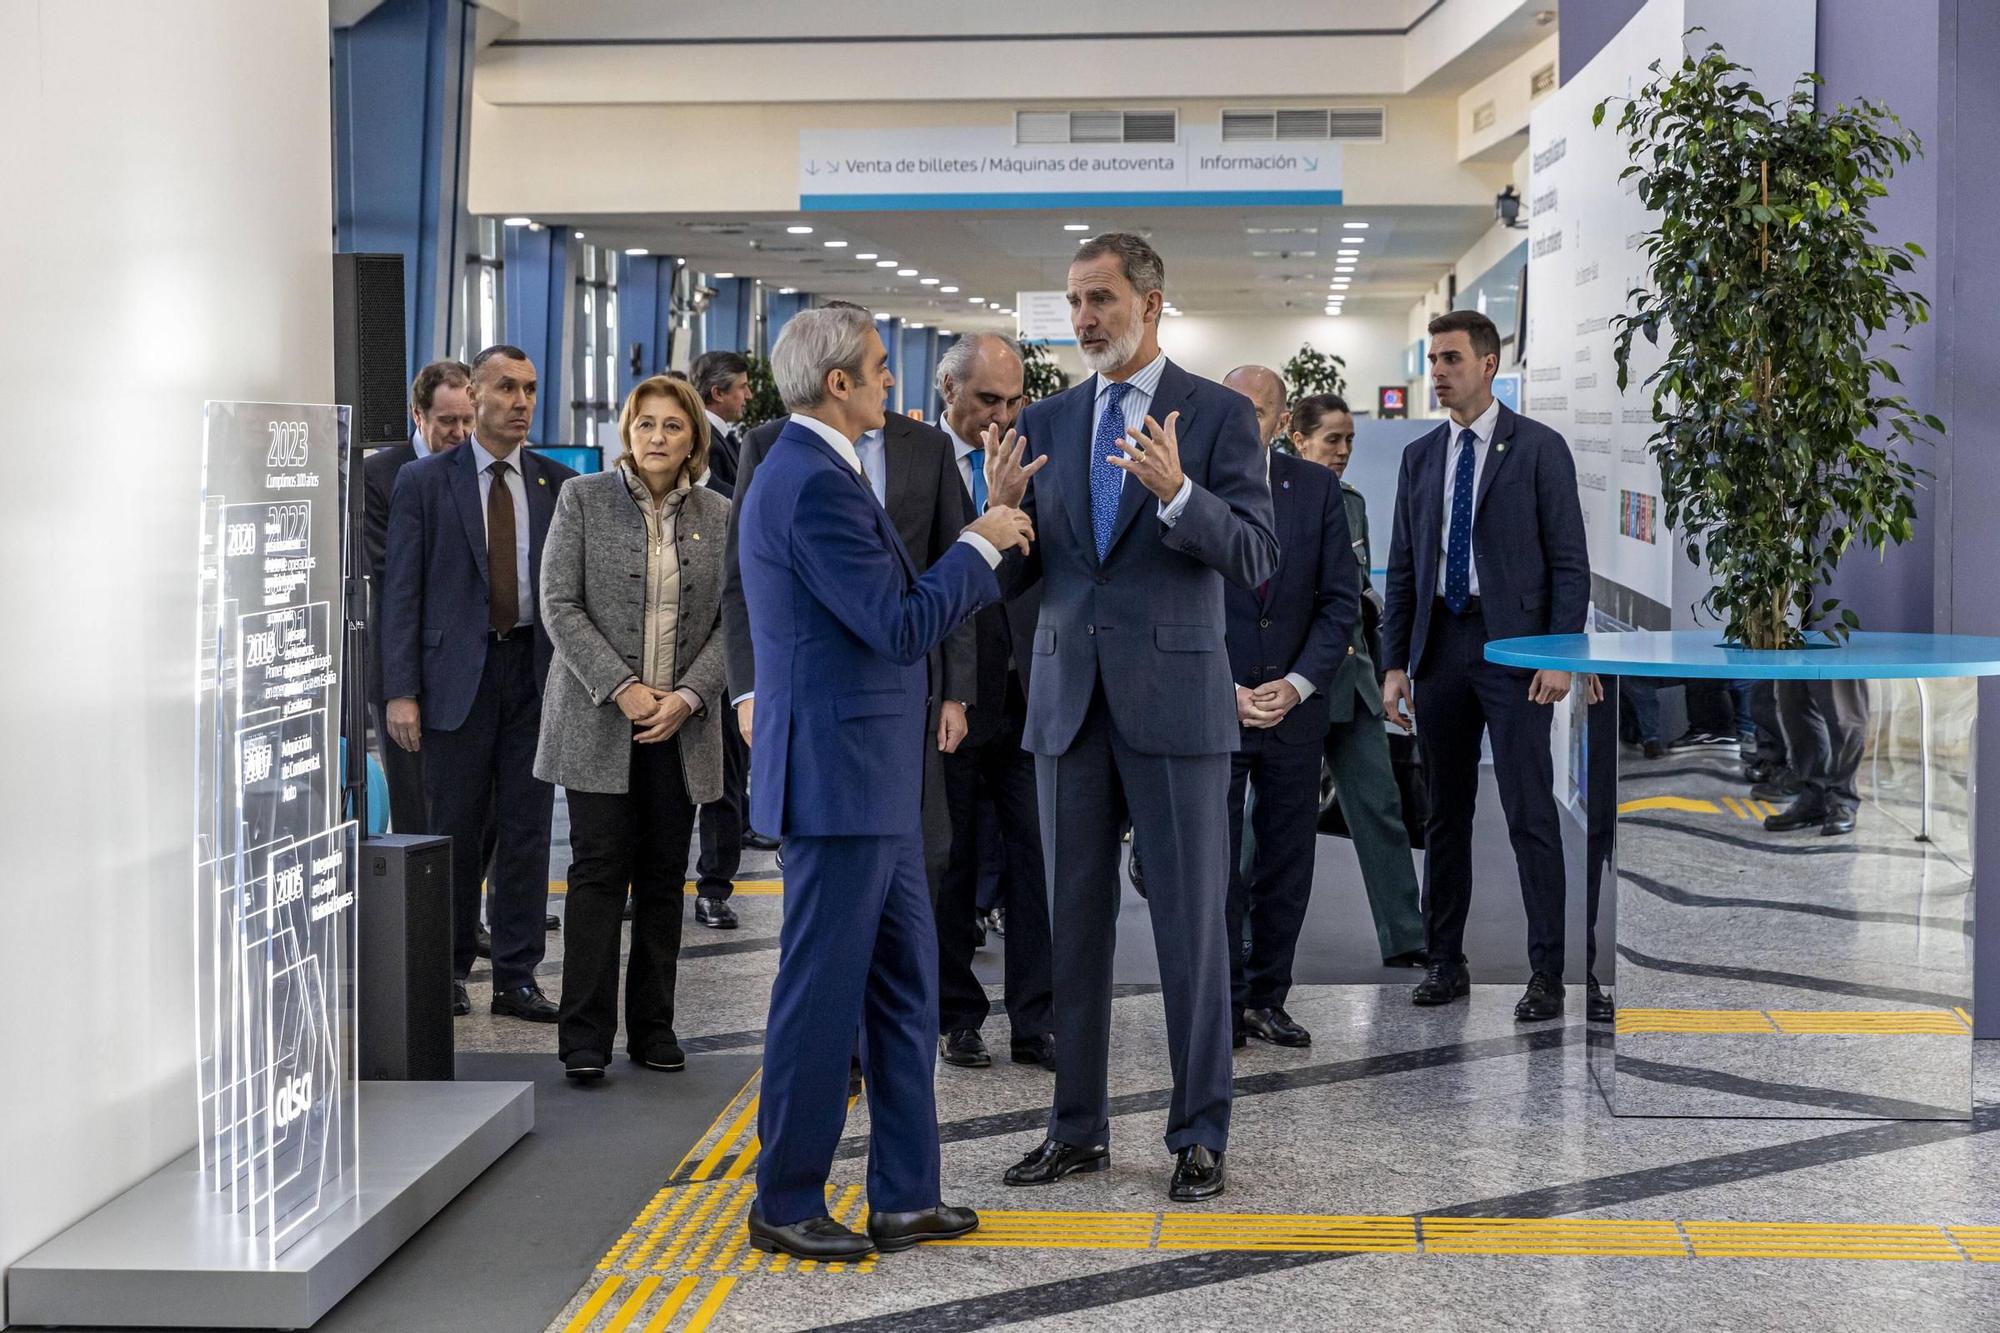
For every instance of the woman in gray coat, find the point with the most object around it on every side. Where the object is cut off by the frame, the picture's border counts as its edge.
(631, 596)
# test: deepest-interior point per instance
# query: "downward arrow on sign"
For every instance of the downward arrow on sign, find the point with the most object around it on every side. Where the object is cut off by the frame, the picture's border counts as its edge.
(1312, 164)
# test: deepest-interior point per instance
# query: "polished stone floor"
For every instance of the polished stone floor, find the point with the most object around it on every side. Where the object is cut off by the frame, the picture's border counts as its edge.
(1445, 1169)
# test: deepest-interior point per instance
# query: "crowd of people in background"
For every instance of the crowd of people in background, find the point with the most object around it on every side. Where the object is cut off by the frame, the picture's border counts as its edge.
(1142, 607)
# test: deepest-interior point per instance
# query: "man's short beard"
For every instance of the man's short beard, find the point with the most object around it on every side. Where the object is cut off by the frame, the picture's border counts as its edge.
(1117, 351)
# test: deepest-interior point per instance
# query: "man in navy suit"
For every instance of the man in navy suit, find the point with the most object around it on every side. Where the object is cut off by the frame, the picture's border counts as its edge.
(1286, 638)
(1152, 494)
(464, 656)
(1488, 544)
(842, 624)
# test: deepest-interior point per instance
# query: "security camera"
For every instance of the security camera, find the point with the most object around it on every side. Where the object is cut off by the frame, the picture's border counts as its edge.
(1507, 208)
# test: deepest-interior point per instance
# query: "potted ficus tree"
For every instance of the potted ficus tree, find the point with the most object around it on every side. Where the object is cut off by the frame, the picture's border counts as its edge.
(1769, 287)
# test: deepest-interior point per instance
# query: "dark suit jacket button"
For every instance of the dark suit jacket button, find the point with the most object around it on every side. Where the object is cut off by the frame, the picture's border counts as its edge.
(1102, 580)
(1265, 623)
(1090, 629)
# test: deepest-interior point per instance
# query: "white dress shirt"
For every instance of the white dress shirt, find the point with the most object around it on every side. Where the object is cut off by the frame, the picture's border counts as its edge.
(960, 454)
(873, 451)
(420, 444)
(1137, 403)
(517, 488)
(1482, 430)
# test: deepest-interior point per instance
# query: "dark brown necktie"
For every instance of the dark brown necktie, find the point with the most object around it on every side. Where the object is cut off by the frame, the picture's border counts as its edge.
(502, 579)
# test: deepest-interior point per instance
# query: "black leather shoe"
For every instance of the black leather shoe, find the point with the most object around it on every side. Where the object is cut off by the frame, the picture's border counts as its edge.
(1035, 1051)
(1758, 771)
(899, 1231)
(715, 913)
(1136, 873)
(666, 1054)
(1275, 1026)
(1839, 820)
(584, 1066)
(815, 1238)
(461, 1003)
(1597, 1006)
(482, 941)
(1805, 812)
(1407, 958)
(1443, 982)
(1782, 785)
(551, 923)
(525, 1002)
(1239, 1037)
(753, 841)
(1054, 1160)
(964, 1048)
(1542, 1000)
(1197, 1175)
(853, 1078)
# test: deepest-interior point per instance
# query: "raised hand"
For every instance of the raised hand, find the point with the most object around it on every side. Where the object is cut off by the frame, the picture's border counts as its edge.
(1006, 474)
(1153, 455)
(1006, 527)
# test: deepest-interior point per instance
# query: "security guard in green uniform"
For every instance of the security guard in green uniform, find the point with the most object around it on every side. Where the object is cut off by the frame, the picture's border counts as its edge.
(1357, 748)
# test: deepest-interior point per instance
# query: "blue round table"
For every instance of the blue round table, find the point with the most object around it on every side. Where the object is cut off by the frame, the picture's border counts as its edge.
(1701, 655)
(1767, 966)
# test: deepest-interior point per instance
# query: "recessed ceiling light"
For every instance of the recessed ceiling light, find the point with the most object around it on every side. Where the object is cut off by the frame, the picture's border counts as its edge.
(992, 305)
(929, 282)
(1343, 268)
(870, 255)
(1354, 240)
(788, 291)
(678, 263)
(1175, 313)
(578, 235)
(534, 226)
(638, 250)
(916, 326)
(881, 317)
(1348, 254)
(1076, 226)
(948, 290)
(834, 245)
(1355, 226)
(976, 300)
(800, 231)
(887, 263)
(515, 222)
(906, 273)
(722, 277)
(946, 333)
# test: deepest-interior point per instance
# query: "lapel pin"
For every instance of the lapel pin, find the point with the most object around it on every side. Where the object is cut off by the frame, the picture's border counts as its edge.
(1500, 448)
(1287, 485)
(542, 481)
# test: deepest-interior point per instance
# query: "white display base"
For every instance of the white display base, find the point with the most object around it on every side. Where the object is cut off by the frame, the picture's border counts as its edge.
(169, 1254)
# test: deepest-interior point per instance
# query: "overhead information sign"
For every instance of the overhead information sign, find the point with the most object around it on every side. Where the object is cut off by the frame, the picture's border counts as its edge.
(1044, 317)
(973, 166)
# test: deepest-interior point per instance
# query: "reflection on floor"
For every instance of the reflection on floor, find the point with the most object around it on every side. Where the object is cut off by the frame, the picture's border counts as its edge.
(1449, 1169)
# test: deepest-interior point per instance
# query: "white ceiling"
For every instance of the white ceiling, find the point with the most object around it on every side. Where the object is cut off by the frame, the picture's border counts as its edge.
(1216, 263)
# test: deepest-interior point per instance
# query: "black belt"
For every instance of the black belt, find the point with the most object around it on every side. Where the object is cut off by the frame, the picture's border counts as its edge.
(1471, 607)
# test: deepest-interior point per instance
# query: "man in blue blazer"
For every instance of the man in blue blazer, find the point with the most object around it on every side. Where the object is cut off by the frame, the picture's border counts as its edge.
(464, 656)
(1488, 544)
(1150, 495)
(841, 624)
(1286, 638)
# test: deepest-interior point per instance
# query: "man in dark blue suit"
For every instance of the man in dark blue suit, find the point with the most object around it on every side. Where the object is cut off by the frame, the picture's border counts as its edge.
(842, 623)
(464, 656)
(1286, 638)
(1152, 494)
(1488, 544)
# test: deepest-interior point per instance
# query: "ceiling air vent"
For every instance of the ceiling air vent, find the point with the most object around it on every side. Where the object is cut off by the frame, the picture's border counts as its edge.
(1542, 80)
(1483, 117)
(1303, 125)
(1096, 127)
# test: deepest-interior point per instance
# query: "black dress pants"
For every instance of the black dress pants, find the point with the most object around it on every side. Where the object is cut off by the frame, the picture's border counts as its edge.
(639, 838)
(1001, 769)
(1273, 896)
(722, 821)
(1824, 723)
(485, 770)
(1459, 696)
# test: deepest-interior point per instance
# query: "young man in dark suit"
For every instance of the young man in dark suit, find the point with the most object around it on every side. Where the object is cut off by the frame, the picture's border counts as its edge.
(1286, 638)
(1488, 544)
(441, 408)
(464, 658)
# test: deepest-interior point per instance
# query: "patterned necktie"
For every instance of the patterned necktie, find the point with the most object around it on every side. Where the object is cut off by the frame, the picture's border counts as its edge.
(1105, 479)
(503, 579)
(977, 460)
(1458, 545)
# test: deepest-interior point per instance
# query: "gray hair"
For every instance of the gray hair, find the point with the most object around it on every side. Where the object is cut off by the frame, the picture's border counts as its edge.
(1144, 268)
(712, 372)
(958, 358)
(816, 343)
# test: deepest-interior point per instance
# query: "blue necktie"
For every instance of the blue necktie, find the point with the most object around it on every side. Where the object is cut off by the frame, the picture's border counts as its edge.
(1105, 479)
(1458, 544)
(977, 458)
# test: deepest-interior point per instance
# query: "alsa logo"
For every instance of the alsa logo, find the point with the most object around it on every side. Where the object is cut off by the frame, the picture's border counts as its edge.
(294, 1099)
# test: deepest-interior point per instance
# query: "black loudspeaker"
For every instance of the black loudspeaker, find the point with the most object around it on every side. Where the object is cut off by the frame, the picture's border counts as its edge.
(370, 357)
(404, 921)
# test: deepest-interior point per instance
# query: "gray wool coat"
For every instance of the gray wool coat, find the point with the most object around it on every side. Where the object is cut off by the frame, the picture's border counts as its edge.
(594, 607)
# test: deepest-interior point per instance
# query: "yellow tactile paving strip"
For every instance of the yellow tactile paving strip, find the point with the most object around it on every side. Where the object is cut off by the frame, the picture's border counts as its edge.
(1743, 807)
(1797, 1022)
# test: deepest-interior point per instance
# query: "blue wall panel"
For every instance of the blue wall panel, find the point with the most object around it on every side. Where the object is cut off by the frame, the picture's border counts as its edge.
(537, 308)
